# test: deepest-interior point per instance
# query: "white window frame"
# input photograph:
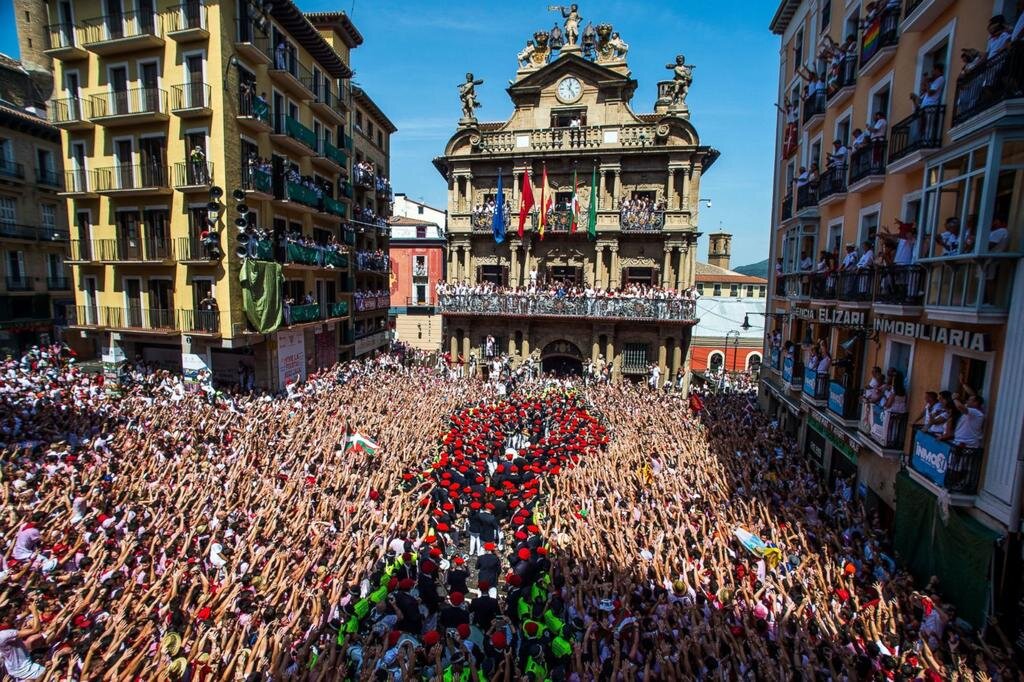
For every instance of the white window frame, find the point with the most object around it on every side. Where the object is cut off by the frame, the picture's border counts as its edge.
(113, 149)
(988, 357)
(713, 354)
(185, 73)
(839, 222)
(907, 341)
(846, 115)
(53, 214)
(880, 84)
(866, 211)
(9, 203)
(752, 354)
(944, 33)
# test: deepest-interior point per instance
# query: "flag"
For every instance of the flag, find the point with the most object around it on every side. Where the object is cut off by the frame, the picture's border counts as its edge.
(525, 201)
(574, 206)
(360, 443)
(544, 204)
(592, 209)
(499, 214)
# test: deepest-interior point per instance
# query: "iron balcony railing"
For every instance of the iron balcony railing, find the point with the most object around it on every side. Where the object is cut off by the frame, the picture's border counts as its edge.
(132, 317)
(248, 33)
(80, 181)
(70, 110)
(194, 249)
(823, 285)
(127, 249)
(58, 283)
(996, 80)
(128, 176)
(882, 32)
(130, 102)
(786, 211)
(885, 427)
(806, 196)
(298, 192)
(833, 181)
(63, 35)
(845, 76)
(80, 250)
(188, 16)
(18, 283)
(121, 26)
(363, 178)
(9, 168)
(483, 220)
(867, 161)
(48, 176)
(900, 285)
(286, 125)
(256, 180)
(13, 230)
(190, 96)
(328, 150)
(815, 384)
(642, 222)
(856, 285)
(338, 309)
(335, 207)
(641, 309)
(252, 105)
(815, 105)
(844, 401)
(193, 173)
(910, 6)
(363, 303)
(921, 130)
(797, 284)
(955, 468)
(793, 373)
(199, 321)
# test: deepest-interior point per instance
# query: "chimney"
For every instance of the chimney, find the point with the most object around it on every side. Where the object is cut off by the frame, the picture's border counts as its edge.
(720, 249)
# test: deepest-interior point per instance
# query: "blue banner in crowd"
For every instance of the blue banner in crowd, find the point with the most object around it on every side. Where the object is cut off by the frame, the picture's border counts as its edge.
(931, 457)
(836, 397)
(787, 370)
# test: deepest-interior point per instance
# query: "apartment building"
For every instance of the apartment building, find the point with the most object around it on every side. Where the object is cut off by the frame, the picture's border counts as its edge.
(36, 284)
(896, 233)
(208, 148)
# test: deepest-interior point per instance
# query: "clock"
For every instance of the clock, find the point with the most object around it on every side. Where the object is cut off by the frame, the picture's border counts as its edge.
(569, 90)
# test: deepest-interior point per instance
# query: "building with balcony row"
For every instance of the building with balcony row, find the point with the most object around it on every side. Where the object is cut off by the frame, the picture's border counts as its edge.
(573, 123)
(901, 250)
(36, 284)
(198, 135)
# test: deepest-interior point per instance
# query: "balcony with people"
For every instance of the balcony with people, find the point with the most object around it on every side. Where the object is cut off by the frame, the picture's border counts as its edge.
(370, 300)
(832, 185)
(194, 175)
(301, 250)
(841, 72)
(482, 215)
(816, 375)
(786, 210)
(807, 182)
(253, 109)
(991, 79)
(868, 158)
(923, 129)
(373, 261)
(252, 42)
(288, 73)
(792, 367)
(880, 34)
(884, 412)
(364, 217)
(844, 393)
(122, 31)
(204, 320)
(364, 176)
(642, 214)
(948, 446)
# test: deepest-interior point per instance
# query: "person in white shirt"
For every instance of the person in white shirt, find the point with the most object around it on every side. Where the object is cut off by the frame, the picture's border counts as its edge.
(837, 159)
(970, 427)
(860, 138)
(998, 236)
(931, 91)
(867, 258)
(879, 126)
(850, 259)
(17, 662)
(806, 262)
(999, 37)
(949, 240)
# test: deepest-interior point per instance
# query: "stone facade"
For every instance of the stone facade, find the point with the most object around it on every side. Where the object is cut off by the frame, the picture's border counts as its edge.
(573, 119)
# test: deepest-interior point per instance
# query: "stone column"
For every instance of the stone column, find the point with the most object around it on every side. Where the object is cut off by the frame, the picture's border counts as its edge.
(695, 186)
(513, 247)
(511, 343)
(617, 191)
(670, 191)
(465, 347)
(454, 346)
(595, 349)
(666, 272)
(677, 356)
(470, 269)
(615, 275)
(598, 258)
(663, 354)
(685, 202)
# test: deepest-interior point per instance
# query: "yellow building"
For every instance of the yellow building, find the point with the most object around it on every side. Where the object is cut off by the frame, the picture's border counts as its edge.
(36, 285)
(896, 241)
(199, 135)
(573, 120)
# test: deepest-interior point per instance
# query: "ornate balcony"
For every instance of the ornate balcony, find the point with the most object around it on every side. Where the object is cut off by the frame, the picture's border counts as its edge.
(135, 106)
(71, 113)
(635, 309)
(568, 139)
(186, 22)
(122, 32)
(191, 100)
(867, 166)
(844, 82)
(807, 200)
(856, 286)
(645, 222)
(65, 42)
(483, 221)
(988, 85)
(909, 138)
(823, 286)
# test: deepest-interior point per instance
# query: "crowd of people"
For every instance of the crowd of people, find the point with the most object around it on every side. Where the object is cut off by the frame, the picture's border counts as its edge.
(371, 299)
(642, 212)
(368, 216)
(440, 530)
(378, 260)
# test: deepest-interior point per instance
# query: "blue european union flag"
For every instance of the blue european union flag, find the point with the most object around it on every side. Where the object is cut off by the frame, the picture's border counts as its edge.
(499, 214)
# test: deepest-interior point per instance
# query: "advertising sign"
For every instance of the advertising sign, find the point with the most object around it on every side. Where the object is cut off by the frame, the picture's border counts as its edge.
(878, 423)
(291, 357)
(809, 377)
(787, 370)
(836, 397)
(930, 457)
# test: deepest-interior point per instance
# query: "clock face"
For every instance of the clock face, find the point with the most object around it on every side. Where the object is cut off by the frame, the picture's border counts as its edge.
(569, 90)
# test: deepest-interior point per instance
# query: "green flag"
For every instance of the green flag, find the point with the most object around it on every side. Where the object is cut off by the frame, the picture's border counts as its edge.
(592, 209)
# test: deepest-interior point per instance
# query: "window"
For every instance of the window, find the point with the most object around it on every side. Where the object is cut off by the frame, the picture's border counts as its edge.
(359, 121)
(54, 266)
(421, 232)
(8, 211)
(952, 200)
(753, 361)
(835, 238)
(879, 101)
(734, 290)
(935, 54)
(851, 24)
(700, 288)
(421, 294)
(495, 274)
(798, 49)
(750, 291)
(762, 291)
(568, 118)
(868, 228)
(15, 268)
(369, 129)
(826, 15)
(45, 164)
(6, 151)
(419, 266)
(717, 290)
(715, 361)
(380, 140)
(634, 358)
(419, 210)
(898, 358)
(963, 369)
(48, 217)
(843, 130)
(644, 276)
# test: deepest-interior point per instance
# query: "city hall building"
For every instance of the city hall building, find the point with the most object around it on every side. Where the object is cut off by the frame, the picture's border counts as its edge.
(573, 120)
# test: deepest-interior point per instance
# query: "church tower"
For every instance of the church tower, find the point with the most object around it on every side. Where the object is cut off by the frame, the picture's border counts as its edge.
(720, 249)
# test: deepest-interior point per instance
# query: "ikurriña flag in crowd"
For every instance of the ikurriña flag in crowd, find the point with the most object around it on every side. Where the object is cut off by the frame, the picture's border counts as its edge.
(360, 443)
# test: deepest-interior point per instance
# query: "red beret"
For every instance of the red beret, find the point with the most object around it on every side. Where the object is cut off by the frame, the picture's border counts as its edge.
(498, 640)
(429, 539)
(392, 584)
(489, 546)
(520, 535)
(533, 529)
(456, 598)
(406, 584)
(542, 550)
(484, 585)
(524, 554)
(459, 561)
(463, 629)
(474, 505)
(431, 637)
(428, 567)
(435, 552)
(514, 580)
(448, 506)
(442, 527)
(530, 627)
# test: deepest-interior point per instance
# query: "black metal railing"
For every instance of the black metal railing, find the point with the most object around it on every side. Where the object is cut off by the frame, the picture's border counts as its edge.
(48, 176)
(815, 105)
(844, 401)
(867, 161)
(80, 181)
(846, 76)
(199, 321)
(787, 207)
(80, 250)
(130, 102)
(882, 32)
(253, 105)
(18, 283)
(194, 249)
(13, 230)
(921, 130)
(190, 96)
(193, 173)
(797, 285)
(807, 196)
(58, 283)
(856, 285)
(815, 384)
(287, 63)
(550, 306)
(120, 26)
(9, 168)
(127, 176)
(248, 33)
(910, 6)
(823, 285)
(996, 80)
(643, 222)
(188, 16)
(833, 181)
(953, 467)
(137, 317)
(130, 249)
(70, 110)
(796, 380)
(889, 429)
(900, 285)
(63, 35)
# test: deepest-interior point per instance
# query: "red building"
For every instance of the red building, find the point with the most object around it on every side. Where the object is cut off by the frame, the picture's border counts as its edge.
(417, 265)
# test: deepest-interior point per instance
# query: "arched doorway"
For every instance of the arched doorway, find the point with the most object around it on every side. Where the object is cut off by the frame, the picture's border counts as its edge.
(562, 358)
(715, 362)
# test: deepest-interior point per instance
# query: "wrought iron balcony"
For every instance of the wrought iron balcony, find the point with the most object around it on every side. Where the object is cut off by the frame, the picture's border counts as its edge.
(868, 161)
(48, 177)
(252, 42)
(293, 135)
(815, 385)
(483, 220)
(131, 318)
(253, 112)
(288, 73)
(13, 230)
(11, 169)
(122, 32)
(186, 22)
(823, 285)
(641, 222)
(921, 130)
(951, 467)
(128, 250)
(71, 113)
(856, 285)
(193, 175)
(190, 99)
(64, 42)
(58, 283)
(844, 401)
(833, 182)
(806, 196)
(637, 309)
(18, 283)
(199, 321)
(882, 33)
(995, 81)
(128, 178)
(195, 250)
(257, 180)
(128, 107)
(886, 428)
(786, 211)
(900, 285)
(845, 77)
(815, 105)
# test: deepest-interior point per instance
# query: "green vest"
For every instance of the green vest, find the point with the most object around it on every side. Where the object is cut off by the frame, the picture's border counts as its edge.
(540, 629)
(536, 669)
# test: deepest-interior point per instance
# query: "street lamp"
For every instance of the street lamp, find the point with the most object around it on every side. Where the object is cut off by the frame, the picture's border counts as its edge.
(735, 336)
(706, 202)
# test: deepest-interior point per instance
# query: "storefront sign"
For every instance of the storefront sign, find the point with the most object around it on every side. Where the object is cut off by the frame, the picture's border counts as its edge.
(930, 457)
(853, 318)
(836, 397)
(787, 370)
(291, 357)
(814, 441)
(961, 338)
(840, 441)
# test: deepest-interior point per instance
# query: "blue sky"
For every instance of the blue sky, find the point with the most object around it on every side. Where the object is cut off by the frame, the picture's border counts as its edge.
(417, 51)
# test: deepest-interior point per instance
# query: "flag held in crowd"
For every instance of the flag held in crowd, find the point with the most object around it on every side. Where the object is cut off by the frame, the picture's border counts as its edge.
(360, 443)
